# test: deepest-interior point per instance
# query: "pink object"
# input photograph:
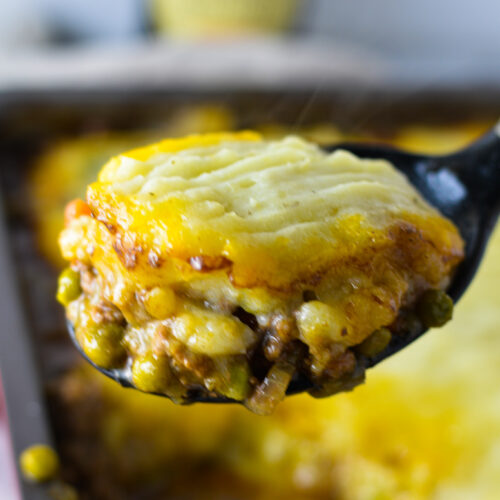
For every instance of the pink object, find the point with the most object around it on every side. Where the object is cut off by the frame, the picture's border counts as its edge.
(8, 481)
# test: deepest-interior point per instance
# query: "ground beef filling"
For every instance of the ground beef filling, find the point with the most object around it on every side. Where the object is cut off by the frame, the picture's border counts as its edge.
(158, 361)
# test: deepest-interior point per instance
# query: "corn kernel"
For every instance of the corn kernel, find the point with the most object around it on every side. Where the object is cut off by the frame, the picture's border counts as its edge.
(160, 302)
(318, 321)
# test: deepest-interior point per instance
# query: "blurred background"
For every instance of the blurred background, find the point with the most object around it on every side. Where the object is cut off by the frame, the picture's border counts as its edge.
(82, 80)
(439, 28)
(431, 41)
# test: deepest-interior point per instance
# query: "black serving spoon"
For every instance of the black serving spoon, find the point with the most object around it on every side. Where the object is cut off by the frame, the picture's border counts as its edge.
(463, 186)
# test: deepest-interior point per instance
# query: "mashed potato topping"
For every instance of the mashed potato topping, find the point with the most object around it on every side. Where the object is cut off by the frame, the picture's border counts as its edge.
(237, 197)
(240, 263)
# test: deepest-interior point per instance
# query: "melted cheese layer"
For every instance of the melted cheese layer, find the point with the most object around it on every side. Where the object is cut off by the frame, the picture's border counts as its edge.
(277, 211)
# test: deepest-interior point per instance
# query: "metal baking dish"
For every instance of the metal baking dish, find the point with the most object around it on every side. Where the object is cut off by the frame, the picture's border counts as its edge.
(33, 344)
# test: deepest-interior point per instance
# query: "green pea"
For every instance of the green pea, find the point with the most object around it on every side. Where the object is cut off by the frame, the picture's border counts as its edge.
(152, 373)
(234, 381)
(375, 343)
(39, 463)
(435, 308)
(68, 286)
(102, 343)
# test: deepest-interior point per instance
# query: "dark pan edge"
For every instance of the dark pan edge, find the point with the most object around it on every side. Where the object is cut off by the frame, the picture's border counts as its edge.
(26, 411)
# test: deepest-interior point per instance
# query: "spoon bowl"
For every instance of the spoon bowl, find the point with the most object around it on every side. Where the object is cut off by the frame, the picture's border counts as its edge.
(463, 186)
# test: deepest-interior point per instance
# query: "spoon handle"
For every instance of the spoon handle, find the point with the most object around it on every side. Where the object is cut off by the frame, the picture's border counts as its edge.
(478, 167)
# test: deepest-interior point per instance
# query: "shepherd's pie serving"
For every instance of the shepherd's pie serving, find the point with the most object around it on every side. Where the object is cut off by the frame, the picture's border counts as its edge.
(225, 264)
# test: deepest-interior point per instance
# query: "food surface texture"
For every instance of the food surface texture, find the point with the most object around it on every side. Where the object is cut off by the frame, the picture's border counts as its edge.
(227, 265)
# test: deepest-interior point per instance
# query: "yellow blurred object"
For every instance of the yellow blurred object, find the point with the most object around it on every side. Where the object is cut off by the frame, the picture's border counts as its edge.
(39, 463)
(438, 140)
(222, 18)
(203, 118)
